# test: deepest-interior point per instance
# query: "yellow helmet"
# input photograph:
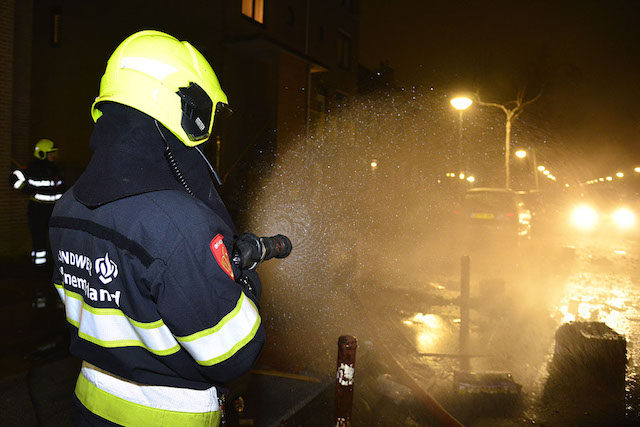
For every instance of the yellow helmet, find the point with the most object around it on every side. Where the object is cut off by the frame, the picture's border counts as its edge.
(166, 79)
(43, 147)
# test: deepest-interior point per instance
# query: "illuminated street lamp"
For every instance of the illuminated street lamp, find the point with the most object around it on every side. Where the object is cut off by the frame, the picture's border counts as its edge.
(620, 174)
(461, 103)
(637, 170)
(541, 168)
(521, 154)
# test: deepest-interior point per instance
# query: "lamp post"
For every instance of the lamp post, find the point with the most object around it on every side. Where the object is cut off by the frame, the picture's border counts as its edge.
(521, 154)
(461, 103)
(511, 110)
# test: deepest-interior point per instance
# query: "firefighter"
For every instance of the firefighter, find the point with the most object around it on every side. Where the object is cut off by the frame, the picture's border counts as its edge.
(43, 182)
(158, 314)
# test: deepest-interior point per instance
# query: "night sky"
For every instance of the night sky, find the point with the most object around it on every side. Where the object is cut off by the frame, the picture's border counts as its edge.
(584, 54)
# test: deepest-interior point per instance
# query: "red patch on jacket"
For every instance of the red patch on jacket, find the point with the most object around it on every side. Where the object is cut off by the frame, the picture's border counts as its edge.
(221, 255)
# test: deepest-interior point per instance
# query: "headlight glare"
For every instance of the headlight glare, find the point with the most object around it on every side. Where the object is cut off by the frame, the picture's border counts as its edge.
(584, 217)
(624, 218)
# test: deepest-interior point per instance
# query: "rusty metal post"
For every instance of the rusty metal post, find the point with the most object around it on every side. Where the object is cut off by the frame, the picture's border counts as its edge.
(464, 310)
(347, 345)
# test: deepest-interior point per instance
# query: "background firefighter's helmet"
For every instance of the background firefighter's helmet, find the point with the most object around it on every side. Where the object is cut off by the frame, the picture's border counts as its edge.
(166, 79)
(43, 147)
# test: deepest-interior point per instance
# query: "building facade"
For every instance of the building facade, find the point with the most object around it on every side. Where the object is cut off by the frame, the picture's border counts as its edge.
(284, 65)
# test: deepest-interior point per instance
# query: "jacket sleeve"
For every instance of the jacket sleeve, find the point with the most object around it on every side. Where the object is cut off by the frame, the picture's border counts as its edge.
(213, 318)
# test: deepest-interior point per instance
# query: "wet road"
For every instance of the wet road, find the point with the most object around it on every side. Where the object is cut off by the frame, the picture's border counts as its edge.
(519, 298)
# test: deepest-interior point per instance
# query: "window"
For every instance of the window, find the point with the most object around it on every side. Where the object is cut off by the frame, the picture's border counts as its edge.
(254, 9)
(344, 50)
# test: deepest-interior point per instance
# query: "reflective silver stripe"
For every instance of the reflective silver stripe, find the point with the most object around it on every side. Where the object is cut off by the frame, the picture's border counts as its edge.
(216, 344)
(60, 290)
(47, 197)
(109, 327)
(159, 397)
(39, 257)
(41, 183)
(156, 69)
(21, 179)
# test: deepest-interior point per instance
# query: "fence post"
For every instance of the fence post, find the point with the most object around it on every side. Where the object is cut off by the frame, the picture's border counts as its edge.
(464, 310)
(347, 345)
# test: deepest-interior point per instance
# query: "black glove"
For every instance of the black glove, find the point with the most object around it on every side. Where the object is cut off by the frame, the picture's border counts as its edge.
(248, 251)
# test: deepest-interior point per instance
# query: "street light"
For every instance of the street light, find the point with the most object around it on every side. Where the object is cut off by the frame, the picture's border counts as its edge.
(461, 103)
(521, 154)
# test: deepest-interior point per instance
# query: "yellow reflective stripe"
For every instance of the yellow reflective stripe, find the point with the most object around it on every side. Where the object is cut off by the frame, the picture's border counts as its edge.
(222, 341)
(127, 413)
(167, 398)
(110, 327)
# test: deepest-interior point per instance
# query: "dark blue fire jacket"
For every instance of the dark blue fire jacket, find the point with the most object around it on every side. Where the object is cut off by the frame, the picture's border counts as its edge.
(149, 290)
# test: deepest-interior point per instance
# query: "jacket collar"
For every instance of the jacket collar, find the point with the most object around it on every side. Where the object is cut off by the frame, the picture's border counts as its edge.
(129, 160)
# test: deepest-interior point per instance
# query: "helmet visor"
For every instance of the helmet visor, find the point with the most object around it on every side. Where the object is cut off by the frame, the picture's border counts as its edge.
(197, 108)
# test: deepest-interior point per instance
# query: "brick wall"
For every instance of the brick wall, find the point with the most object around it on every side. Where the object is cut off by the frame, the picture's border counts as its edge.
(15, 59)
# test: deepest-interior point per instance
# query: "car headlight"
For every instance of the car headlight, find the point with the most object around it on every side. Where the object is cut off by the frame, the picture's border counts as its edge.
(624, 218)
(584, 217)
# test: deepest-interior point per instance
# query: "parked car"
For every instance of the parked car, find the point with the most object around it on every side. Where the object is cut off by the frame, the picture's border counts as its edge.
(495, 212)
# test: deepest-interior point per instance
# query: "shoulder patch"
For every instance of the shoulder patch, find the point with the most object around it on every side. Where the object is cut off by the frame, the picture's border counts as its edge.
(221, 255)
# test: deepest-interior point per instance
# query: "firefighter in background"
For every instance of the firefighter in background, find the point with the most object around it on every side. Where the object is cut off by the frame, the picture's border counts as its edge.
(42, 181)
(157, 312)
